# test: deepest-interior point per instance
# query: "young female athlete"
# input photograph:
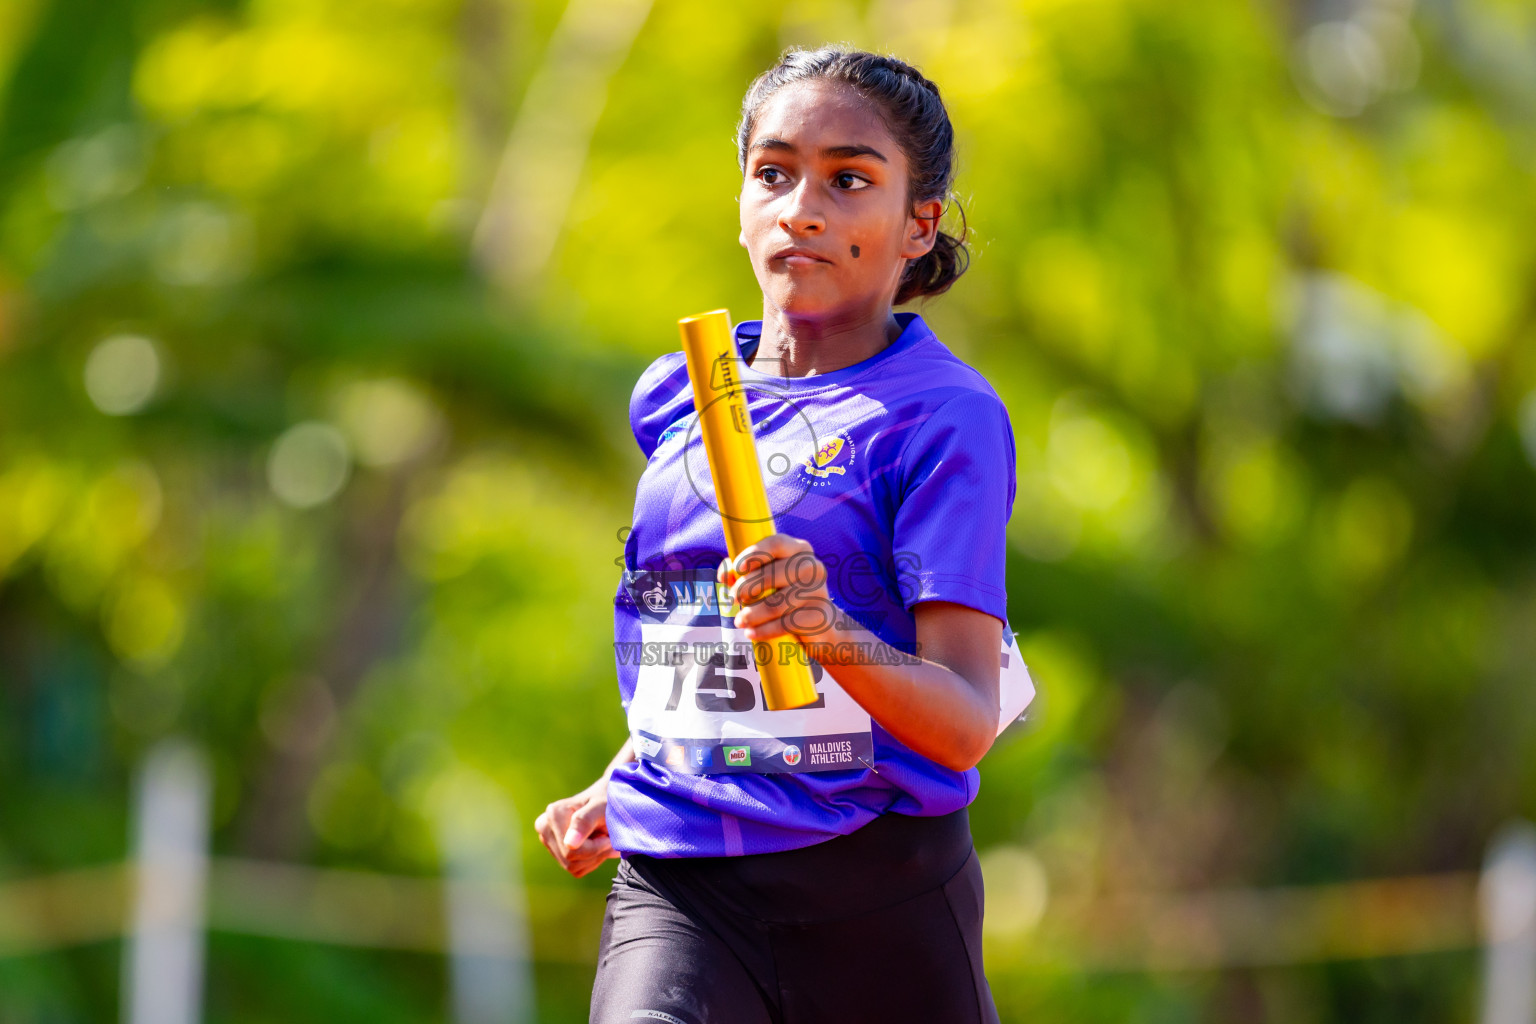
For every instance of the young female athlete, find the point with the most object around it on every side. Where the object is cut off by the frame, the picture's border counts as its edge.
(814, 864)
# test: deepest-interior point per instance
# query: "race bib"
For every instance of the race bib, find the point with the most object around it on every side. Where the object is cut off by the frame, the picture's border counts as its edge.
(698, 702)
(1015, 689)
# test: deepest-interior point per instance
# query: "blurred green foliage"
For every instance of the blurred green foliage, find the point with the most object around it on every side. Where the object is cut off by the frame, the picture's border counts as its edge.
(318, 321)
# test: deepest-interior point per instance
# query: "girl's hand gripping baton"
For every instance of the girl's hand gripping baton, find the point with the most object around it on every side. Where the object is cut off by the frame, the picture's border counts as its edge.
(739, 492)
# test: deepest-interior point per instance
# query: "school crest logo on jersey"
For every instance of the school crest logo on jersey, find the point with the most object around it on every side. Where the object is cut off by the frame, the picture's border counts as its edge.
(834, 455)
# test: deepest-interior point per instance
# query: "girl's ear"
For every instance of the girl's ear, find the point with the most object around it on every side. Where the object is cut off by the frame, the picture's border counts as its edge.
(922, 228)
(742, 238)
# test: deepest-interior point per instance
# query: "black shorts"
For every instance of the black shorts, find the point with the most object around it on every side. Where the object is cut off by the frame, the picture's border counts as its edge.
(882, 925)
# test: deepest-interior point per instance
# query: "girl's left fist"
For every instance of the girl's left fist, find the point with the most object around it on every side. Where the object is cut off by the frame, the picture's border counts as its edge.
(782, 587)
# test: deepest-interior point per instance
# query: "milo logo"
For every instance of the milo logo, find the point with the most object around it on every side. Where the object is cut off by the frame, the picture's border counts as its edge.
(738, 755)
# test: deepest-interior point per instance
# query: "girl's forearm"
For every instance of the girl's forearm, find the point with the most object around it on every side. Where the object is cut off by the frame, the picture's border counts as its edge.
(931, 709)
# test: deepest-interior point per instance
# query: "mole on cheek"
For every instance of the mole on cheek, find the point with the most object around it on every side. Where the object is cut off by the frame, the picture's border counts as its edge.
(855, 250)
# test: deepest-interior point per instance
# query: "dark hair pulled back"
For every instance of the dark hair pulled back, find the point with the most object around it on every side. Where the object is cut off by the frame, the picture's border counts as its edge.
(916, 118)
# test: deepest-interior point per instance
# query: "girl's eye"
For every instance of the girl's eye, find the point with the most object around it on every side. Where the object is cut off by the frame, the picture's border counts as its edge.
(764, 175)
(850, 182)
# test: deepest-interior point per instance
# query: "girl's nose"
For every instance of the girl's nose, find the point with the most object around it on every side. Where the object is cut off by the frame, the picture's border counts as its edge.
(801, 213)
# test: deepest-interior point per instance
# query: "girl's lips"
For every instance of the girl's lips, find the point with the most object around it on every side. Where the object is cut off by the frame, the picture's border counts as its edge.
(798, 256)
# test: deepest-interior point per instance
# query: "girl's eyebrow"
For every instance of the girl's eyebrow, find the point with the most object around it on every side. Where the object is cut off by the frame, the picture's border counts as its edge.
(844, 152)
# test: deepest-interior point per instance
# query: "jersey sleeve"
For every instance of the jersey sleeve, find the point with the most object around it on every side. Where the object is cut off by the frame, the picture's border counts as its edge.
(958, 482)
(654, 404)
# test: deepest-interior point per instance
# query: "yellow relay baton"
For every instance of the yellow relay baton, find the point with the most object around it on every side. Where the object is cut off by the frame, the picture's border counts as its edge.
(743, 501)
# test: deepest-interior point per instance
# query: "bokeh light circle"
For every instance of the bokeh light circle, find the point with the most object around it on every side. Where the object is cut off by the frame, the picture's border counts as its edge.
(309, 465)
(122, 373)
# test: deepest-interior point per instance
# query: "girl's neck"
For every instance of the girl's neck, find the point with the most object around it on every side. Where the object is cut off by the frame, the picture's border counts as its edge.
(792, 347)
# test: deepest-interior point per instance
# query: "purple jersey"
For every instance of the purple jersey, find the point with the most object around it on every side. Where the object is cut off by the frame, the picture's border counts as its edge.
(899, 471)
